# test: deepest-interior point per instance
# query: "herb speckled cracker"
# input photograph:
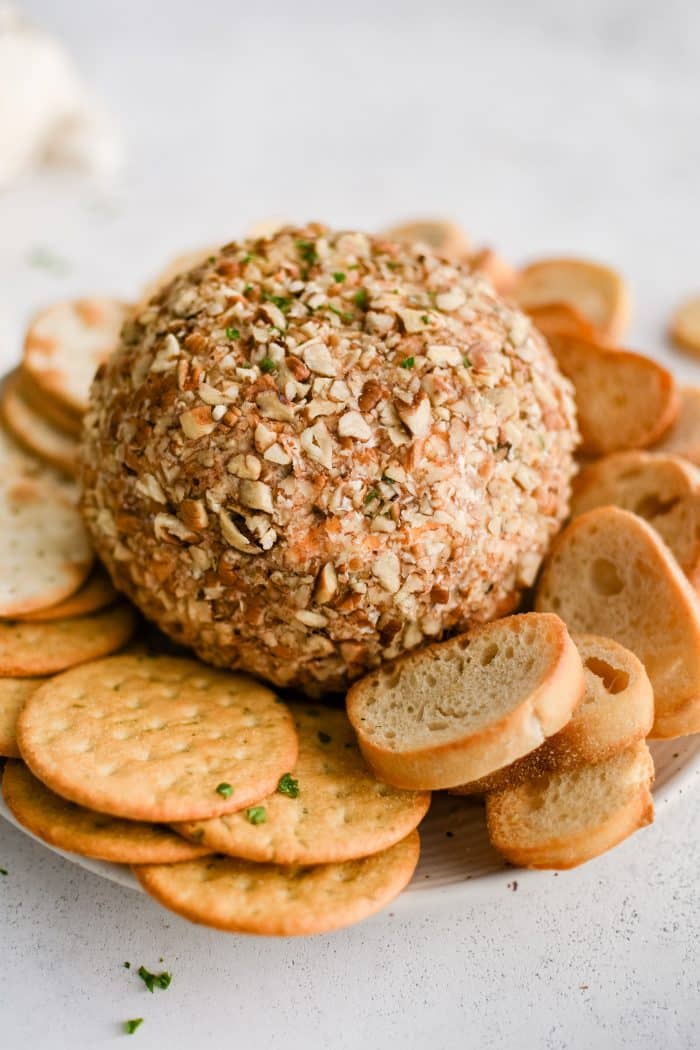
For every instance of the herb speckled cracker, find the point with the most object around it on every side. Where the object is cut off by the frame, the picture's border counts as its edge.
(46, 553)
(79, 830)
(331, 809)
(244, 897)
(67, 342)
(13, 693)
(96, 593)
(157, 738)
(31, 649)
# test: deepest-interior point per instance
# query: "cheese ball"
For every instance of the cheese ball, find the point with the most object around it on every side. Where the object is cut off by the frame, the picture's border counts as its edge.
(319, 449)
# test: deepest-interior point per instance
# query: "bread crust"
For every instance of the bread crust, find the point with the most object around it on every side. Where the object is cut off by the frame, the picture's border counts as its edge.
(519, 731)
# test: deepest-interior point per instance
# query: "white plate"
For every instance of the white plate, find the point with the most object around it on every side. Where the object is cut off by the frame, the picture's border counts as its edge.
(456, 857)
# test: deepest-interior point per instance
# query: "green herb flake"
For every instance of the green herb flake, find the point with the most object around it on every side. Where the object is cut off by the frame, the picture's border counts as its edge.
(247, 289)
(408, 362)
(371, 495)
(131, 1026)
(361, 298)
(233, 333)
(127, 965)
(307, 250)
(267, 365)
(256, 815)
(3, 871)
(339, 277)
(155, 980)
(466, 362)
(224, 789)
(288, 786)
(347, 318)
(325, 738)
(211, 259)
(281, 301)
(425, 319)
(248, 257)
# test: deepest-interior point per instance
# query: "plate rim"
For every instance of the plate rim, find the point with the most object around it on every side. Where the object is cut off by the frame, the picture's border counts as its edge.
(418, 895)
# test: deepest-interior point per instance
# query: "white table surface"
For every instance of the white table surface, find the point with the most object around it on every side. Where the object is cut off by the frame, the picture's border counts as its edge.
(543, 127)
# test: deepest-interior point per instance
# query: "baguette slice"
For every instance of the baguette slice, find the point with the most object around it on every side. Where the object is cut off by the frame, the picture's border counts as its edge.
(554, 319)
(684, 329)
(683, 439)
(624, 400)
(609, 573)
(617, 710)
(664, 490)
(561, 820)
(596, 291)
(459, 709)
(446, 238)
(499, 272)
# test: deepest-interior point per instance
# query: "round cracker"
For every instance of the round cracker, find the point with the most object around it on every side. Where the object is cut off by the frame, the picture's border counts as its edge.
(67, 342)
(340, 813)
(46, 553)
(79, 830)
(96, 593)
(180, 264)
(46, 441)
(13, 693)
(152, 738)
(243, 897)
(48, 408)
(31, 649)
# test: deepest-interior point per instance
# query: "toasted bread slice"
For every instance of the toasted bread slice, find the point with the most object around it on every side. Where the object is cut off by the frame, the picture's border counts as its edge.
(562, 319)
(500, 273)
(459, 709)
(624, 400)
(664, 490)
(609, 573)
(616, 711)
(446, 238)
(180, 264)
(561, 820)
(683, 439)
(684, 329)
(596, 291)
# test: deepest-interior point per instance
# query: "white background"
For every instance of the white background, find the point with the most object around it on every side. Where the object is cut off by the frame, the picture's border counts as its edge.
(543, 127)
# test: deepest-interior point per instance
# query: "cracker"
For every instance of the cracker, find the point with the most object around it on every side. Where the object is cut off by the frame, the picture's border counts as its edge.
(31, 649)
(683, 439)
(13, 693)
(341, 811)
(685, 326)
(46, 553)
(48, 407)
(96, 593)
(179, 264)
(35, 433)
(67, 342)
(243, 897)
(157, 738)
(79, 830)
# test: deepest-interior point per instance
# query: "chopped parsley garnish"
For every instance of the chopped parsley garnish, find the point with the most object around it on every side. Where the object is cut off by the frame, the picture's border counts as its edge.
(361, 298)
(44, 258)
(267, 365)
(225, 790)
(371, 495)
(339, 277)
(288, 786)
(408, 362)
(282, 301)
(466, 362)
(325, 738)
(131, 1026)
(155, 980)
(248, 257)
(425, 319)
(211, 259)
(394, 265)
(247, 289)
(307, 250)
(233, 333)
(256, 815)
(343, 316)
